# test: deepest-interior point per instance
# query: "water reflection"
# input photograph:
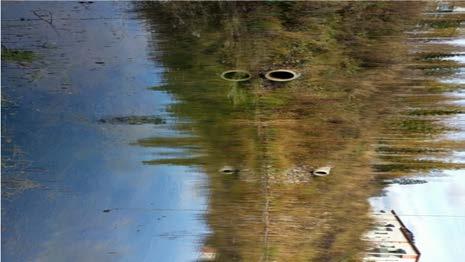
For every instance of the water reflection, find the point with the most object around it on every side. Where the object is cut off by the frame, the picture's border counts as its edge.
(96, 68)
(355, 67)
(433, 209)
(438, 224)
(130, 162)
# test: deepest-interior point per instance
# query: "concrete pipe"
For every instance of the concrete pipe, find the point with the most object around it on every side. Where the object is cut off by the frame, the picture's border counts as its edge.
(322, 171)
(281, 75)
(229, 170)
(236, 75)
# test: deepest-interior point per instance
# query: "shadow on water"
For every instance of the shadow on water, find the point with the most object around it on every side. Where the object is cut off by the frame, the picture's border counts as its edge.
(356, 61)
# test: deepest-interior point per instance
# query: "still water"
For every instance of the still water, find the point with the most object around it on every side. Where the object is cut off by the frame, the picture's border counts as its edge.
(117, 128)
(434, 209)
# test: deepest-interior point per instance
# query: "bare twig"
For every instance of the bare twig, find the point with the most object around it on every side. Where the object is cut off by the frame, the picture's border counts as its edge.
(43, 17)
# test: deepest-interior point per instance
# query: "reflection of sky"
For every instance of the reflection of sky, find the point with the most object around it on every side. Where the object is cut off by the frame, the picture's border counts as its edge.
(459, 58)
(455, 157)
(459, 77)
(435, 211)
(439, 238)
(91, 167)
(457, 121)
(460, 42)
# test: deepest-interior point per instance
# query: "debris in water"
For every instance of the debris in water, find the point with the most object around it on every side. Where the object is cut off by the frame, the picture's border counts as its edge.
(12, 186)
(17, 55)
(133, 120)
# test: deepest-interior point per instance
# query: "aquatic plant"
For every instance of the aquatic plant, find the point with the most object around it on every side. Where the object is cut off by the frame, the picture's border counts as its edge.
(17, 55)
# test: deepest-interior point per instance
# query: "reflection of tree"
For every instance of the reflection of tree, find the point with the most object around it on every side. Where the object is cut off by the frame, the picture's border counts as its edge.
(350, 56)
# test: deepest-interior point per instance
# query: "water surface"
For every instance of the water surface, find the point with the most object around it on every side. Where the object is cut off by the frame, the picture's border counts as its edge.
(116, 135)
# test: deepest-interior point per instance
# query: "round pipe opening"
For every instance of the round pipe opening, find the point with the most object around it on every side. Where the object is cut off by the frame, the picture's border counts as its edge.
(322, 171)
(236, 75)
(281, 75)
(229, 170)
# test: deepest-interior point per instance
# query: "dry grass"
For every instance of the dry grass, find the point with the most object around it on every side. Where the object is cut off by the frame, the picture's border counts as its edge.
(355, 71)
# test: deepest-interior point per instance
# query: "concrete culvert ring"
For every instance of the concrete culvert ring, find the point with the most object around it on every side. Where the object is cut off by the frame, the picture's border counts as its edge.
(229, 170)
(322, 171)
(281, 75)
(236, 75)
